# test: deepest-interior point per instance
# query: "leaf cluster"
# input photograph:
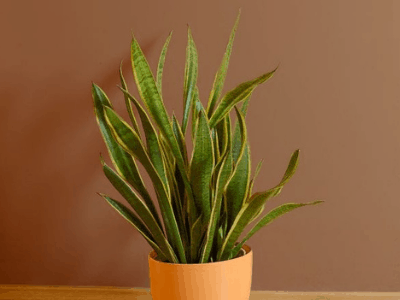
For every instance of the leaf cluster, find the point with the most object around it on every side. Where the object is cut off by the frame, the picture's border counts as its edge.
(205, 197)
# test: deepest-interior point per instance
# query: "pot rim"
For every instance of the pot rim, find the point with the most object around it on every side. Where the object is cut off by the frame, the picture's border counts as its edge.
(246, 248)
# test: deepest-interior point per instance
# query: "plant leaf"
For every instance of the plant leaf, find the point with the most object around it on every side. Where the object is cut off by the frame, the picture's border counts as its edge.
(221, 74)
(130, 142)
(201, 167)
(223, 176)
(236, 192)
(250, 209)
(250, 191)
(269, 217)
(151, 97)
(191, 70)
(122, 161)
(152, 141)
(236, 95)
(180, 138)
(127, 102)
(196, 234)
(239, 151)
(196, 108)
(128, 215)
(141, 209)
(238, 131)
(161, 62)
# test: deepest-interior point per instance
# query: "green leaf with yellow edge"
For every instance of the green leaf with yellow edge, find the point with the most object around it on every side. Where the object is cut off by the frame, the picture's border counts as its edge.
(161, 62)
(250, 191)
(237, 132)
(122, 161)
(132, 219)
(127, 102)
(196, 236)
(141, 209)
(151, 97)
(180, 138)
(191, 70)
(221, 74)
(130, 142)
(222, 133)
(196, 108)
(268, 218)
(235, 96)
(237, 156)
(202, 165)
(237, 190)
(152, 141)
(250, 209)
(223, 176)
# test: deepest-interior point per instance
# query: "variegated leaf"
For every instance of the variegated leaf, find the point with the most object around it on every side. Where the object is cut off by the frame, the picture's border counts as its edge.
(130, 142)
(221, 74)
(235, 96)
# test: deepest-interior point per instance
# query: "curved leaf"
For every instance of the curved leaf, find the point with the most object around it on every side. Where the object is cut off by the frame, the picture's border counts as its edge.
(268, 218)
(141, 209)
(127, 102)
(250, 209)
(161, 62)
(128, 215)
(236, 95)
(122, 161)
(221, 74)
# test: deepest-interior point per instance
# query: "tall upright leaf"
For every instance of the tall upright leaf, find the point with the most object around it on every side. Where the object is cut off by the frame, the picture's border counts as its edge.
(191, 70)
(237, 190)
(180, 138)
(196, 108)
(223, 176)
(151, 97)
(202, 166)
(221, 74)
(161, 62)
(196, 234)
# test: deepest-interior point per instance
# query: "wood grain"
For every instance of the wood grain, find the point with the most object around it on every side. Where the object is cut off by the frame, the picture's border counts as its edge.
(27, 292)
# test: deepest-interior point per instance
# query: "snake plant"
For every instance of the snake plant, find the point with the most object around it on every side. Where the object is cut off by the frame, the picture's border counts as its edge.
(205, 198)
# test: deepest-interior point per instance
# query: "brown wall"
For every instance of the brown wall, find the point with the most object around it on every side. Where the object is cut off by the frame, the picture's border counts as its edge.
(335, 96)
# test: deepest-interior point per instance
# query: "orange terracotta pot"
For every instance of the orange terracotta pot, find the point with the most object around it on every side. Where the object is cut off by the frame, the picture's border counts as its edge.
(225, 280)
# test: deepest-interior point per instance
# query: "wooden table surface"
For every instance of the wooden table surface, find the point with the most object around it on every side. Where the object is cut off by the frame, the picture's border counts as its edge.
(29, 292)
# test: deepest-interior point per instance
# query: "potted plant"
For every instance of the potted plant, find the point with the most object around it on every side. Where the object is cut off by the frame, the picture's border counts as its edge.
(206, 198)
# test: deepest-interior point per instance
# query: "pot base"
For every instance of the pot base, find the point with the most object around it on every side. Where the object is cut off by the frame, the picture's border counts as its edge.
(222, 280)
